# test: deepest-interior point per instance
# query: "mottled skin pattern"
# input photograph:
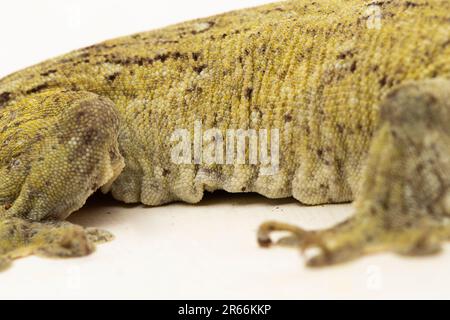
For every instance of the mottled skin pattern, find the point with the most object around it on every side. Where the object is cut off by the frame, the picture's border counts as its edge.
(363, 114)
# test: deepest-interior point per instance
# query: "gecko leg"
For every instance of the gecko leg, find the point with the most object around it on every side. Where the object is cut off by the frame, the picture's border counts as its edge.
(404, 201)
(69, 150)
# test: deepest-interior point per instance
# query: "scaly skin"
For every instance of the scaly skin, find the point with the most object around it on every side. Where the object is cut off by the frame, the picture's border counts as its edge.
(362, 114)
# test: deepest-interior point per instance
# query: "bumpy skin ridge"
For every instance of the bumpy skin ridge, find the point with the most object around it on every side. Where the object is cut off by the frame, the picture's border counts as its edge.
(315, 70)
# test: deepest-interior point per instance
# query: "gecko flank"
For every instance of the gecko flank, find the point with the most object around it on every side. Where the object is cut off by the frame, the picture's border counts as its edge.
(362, 114)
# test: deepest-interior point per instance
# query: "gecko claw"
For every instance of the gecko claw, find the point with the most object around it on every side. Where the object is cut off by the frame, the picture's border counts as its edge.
(297, 238)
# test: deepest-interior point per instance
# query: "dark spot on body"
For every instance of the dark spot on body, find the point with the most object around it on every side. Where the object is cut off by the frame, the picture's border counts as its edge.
(177, 55)
(162, 57)
(378, 3)
(194, 89)
(410, 4)
(48, 72)
(307, 130)
(287, 117)
(84, 55)
(4, 98)
(263, 49)
(248, 93)
(353, 66)
(383, 81)
(38, 88)
(196, 55)
(320, 153)
(345, 54)
(165, 41)
(200, 68)
(165, 172)
(113, 76)
(360, 127)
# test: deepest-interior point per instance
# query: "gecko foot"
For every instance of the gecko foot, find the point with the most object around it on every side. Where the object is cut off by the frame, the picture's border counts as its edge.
(320, 248)
(403, 205)
(58, 239)
(351, 239)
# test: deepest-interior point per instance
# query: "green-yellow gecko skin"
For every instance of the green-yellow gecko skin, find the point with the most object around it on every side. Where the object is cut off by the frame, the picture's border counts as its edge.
(359, 92)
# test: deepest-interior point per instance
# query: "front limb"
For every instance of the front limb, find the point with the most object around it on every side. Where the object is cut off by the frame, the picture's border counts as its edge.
(62, 150)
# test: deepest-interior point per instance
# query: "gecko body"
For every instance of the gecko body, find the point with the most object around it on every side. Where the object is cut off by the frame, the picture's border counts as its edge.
(352, 97)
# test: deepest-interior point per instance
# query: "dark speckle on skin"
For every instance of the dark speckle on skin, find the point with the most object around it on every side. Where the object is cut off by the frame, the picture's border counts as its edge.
(378, 3)
(199, 69)
(196, 55)
(48, 72)
(162, 57)
(177, 55)
(38, 88)
(359, 127)
(287, 117)
(410, 4)
(383, 81)
(346, 54)
(248, 93)
(4, 98)
(84, 55)
(142, 61)
(320, 153)
(113, 76)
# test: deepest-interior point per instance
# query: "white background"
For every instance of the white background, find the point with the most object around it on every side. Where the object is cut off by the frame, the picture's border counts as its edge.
(182, 251)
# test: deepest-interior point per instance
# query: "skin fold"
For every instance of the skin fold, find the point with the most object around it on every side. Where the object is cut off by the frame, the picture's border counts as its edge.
(359, 93)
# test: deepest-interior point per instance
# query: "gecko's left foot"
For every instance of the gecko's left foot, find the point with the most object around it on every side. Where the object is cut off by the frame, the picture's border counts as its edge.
(60, 239)
(404, 202)
(51, 163)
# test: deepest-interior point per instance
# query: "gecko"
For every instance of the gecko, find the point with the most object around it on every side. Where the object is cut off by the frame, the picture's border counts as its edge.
(356, 93)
